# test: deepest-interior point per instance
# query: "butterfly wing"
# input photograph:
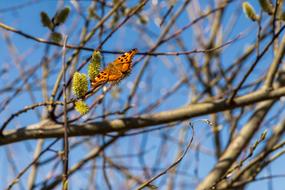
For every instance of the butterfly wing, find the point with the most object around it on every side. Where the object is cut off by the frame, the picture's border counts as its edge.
(114, 73)
(101, 78)
(124, 62)
(109, 74)
(116, 70)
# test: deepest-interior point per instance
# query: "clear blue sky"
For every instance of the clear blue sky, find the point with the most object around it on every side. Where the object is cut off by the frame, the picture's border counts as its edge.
(27, 19)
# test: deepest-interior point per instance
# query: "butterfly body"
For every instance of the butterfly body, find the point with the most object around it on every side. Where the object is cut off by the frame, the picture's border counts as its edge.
(115, 71)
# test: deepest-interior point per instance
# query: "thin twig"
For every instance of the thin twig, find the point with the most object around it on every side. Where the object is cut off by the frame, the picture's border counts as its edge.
(254, 64)
(148, 183)
(17, 178)
(134, 11)
(66, 148)
(166, 14)
(27, 108)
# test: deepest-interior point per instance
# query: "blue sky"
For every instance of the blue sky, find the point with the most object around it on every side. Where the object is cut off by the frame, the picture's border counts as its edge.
(158, 79)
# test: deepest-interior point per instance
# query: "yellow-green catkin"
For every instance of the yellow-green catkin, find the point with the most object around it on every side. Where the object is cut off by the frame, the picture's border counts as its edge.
(79, 84)
(94, 66)
(249, 11)
(81, 107)
(266, 6)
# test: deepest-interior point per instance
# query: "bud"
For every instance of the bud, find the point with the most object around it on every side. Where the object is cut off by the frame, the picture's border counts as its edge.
(79, 84)
(94, 66)
(143, 19)
(61, 16)
(254, 146)
(46, 20)
(249, 11)
(81, 107)
(266, 6)
(263, 135)
(56, 37)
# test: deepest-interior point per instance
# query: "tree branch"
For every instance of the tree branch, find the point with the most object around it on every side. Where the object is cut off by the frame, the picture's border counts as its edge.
(48, 129)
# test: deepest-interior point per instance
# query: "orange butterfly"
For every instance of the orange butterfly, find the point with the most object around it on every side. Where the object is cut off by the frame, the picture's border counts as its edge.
(115, 71)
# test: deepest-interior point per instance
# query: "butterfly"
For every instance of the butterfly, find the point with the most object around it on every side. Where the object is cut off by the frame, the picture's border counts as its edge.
(115, 71)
